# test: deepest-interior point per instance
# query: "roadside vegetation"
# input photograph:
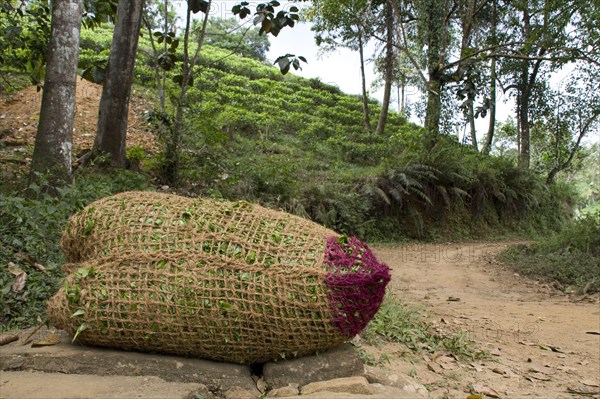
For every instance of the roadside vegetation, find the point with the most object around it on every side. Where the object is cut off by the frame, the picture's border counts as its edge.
(570, 259)
(407, 325)
(30, 231)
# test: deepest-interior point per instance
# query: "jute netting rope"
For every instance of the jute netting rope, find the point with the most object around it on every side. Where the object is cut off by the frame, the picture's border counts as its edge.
(206, 308)
(212, 279)
(149, 222)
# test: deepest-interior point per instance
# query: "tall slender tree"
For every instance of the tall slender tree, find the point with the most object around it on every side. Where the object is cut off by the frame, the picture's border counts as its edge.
(54, 138)
(548, 35)
(493, 35)
(186, 80)
(161, 16)
(389, 66)
(575, 114)
(346, 23)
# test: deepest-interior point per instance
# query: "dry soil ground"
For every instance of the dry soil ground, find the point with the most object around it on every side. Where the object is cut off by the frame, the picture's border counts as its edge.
(19, 115)
(542, 344)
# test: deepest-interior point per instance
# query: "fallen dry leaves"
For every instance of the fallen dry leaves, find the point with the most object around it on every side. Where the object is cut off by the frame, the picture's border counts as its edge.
(20, 114)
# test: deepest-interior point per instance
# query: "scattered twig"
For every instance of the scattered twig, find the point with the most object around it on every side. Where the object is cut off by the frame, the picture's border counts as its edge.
(28, 339)
(14, 160)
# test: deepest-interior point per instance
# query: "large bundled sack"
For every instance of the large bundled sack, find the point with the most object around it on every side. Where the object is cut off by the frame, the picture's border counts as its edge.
(212, 279)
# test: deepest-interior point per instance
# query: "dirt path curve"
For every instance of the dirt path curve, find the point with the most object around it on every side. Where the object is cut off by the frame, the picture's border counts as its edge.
(542, 343)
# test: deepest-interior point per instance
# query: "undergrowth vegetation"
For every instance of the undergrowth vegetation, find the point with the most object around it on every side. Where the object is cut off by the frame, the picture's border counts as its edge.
(30, 231)
(570, 259)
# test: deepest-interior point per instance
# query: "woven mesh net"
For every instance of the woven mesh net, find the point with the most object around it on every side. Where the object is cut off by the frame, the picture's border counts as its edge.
(213, 279)
(148, 222)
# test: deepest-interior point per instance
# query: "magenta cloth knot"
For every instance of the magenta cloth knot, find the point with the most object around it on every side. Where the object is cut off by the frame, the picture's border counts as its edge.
(356, 283)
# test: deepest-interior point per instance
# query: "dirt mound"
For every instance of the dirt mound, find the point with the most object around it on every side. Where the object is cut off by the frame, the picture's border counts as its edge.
(19, 117)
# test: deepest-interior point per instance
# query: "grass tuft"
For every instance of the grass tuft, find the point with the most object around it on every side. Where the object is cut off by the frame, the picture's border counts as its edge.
(403, 324)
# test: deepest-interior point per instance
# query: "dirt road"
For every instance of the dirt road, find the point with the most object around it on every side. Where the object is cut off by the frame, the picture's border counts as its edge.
(542, 343)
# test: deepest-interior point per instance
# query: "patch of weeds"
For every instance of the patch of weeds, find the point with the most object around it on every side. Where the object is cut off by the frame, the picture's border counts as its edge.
(371, 359)
(30, 231)
(397, 322)
(571, 259)
(458, 345)
(453, 375)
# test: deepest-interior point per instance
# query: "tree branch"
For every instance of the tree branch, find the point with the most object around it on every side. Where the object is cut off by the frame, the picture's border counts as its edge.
(404, 49)
(476, 53)
(582, 132)
(536, 69)
(479, 8)
(200, 38)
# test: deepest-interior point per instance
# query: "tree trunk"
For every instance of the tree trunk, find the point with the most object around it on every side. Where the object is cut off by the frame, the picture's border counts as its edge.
(114, 105)
(472, 129)
(54, 139)
(400, 101)
(489, 137)
(365, 98)
(467, 24)
(437, 41)
(403, 98)
(518, 100)
(434, 104)
(389, 68)
(172, 156)
(157, 72)
(526, 83)
(524, 140)
(163, 85)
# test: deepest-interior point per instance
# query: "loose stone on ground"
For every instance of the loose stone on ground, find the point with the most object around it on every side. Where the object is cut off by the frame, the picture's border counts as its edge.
(338, 362)
(354, 385)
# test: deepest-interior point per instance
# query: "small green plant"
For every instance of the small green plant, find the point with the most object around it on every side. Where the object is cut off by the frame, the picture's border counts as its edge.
(136, 154)
(372, 360)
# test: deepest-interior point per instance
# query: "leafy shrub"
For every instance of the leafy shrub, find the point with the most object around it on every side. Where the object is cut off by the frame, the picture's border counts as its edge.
(30, 231)
(97, 39)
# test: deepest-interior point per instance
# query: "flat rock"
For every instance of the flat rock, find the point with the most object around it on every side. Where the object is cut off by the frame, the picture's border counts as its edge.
(336, 363)
(393, 379)
(351, 385)
(383, 392)
(67, 358)
(37, 385)
(379, 392)
(241, 393)
(290, 390)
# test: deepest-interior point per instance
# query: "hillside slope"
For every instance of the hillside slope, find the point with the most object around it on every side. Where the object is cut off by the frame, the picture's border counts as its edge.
(299, 144)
